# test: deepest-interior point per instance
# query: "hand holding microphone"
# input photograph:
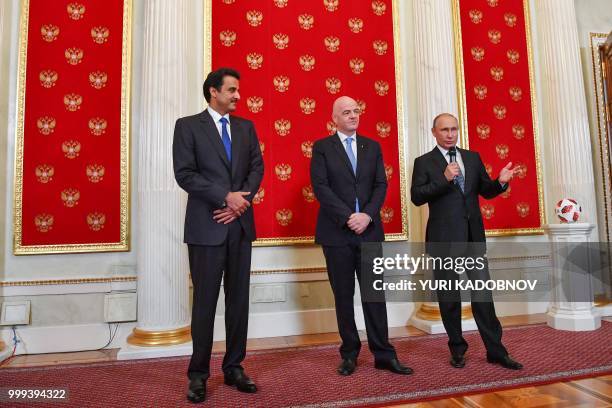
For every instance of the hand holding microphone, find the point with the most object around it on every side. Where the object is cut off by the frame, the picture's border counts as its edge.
(453, 169)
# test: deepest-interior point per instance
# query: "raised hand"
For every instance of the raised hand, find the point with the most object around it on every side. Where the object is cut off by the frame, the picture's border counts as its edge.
(506, 174)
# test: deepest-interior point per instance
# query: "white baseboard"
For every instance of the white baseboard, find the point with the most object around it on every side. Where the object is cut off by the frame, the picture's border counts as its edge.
(54, 339)
(58, 339)
(292, 323)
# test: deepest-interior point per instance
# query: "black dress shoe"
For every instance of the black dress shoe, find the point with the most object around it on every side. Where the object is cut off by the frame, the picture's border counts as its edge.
(347, 366)
(457, 361)
(237, 377)
(394, 366)
(505, 362)
(197, 390)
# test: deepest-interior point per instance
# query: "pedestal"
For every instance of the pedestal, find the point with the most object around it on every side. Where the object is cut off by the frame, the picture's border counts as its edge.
(571, 306)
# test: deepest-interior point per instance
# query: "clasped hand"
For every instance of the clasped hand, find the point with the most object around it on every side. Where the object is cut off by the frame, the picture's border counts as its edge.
(235, 206)
(358, 222)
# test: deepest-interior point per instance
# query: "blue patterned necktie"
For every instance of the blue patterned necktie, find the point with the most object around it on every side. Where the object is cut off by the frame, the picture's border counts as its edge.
(459, 179)
(353, 160)
(227, 143)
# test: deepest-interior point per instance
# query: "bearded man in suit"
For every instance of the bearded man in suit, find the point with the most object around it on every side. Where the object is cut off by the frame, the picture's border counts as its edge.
(218, 162)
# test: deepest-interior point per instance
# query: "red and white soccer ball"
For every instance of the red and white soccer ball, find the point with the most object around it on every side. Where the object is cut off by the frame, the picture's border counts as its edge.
(568, 210)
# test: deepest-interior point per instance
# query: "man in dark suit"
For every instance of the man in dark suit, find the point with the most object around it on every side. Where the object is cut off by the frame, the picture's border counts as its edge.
(348, 179)
(218, 162)
(450, 180)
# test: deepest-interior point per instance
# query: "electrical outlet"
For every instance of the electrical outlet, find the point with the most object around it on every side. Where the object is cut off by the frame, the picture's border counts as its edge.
(269, 293)
(15, 313)
(120, 307)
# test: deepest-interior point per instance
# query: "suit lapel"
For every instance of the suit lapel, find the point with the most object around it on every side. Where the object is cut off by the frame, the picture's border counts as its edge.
(442, 163)
(342, 153)
(211, 132)
(439, 159)
(362, 148)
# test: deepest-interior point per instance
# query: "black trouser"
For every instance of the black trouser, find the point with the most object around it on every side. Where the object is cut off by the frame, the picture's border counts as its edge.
(232, 261)
(482, 308)
(342, 263)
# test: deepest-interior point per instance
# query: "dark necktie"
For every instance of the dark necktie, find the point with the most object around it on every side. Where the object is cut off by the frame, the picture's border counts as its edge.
(459, 179)
(227, 143)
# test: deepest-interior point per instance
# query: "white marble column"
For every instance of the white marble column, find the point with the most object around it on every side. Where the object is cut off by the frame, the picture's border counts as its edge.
(566, 133)
(566, 125)
(4, 352)
(167, 92)
(436, 90)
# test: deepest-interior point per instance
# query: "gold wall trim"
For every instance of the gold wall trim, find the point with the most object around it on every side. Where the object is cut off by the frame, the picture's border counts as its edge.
(519, 258)
(125, 207)
(145, 338)
(80, 281)
(316, 269)
(463, 116)
(597, 39)
(309, 240)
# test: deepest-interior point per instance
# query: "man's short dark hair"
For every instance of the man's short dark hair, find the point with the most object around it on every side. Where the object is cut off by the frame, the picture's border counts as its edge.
(433, 126)
(215, 80)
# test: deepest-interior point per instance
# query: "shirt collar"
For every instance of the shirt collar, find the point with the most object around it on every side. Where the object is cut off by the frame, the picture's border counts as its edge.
(343, 136)
(445, 151)
(217, 116)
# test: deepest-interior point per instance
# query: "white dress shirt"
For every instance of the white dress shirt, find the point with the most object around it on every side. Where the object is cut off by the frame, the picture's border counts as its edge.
(217, 119)
(458, 159)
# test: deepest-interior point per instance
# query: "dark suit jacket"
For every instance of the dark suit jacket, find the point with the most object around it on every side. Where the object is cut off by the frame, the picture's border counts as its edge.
(336, 188)
(201, 169)
(452, 213)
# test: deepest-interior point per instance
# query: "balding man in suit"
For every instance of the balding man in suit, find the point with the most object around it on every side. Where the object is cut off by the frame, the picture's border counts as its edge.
(348, 179)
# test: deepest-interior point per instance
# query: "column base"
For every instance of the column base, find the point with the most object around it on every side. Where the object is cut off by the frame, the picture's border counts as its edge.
(130, 352)
(573, 321)
(604, 310)
(429, 320)
(5, 351)
(146, 338)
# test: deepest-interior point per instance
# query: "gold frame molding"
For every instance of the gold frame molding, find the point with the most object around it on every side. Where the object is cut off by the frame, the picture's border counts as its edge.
(124, 224)
(595, 40)
(463, 117)
(309, 240)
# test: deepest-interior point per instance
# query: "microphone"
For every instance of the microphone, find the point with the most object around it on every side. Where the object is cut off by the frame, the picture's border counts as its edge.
(452, 153)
